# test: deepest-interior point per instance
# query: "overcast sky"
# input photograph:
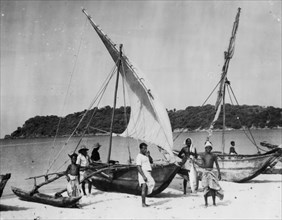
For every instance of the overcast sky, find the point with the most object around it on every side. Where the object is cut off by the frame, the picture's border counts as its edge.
(179, 45)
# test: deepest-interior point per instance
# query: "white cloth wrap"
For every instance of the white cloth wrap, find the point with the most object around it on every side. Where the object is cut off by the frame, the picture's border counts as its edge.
(73, 188)
(150, 181)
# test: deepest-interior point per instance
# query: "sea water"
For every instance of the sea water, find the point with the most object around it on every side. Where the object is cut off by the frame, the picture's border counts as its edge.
(24, 158)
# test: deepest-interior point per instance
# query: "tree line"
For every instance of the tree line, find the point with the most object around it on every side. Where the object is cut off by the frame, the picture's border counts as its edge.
(98, 120)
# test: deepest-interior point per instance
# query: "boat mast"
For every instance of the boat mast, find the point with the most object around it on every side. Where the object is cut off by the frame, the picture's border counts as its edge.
(114, 107)
(227, 56)
(223, 119)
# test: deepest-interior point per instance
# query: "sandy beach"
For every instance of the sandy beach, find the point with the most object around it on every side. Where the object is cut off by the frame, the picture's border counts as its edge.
(257, 199)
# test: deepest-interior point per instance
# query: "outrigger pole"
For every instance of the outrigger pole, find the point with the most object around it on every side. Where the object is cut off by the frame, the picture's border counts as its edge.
(59, 175)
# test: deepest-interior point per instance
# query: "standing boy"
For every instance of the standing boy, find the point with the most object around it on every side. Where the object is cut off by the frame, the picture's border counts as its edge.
(209, 179)
(232, 150)
(72, 173)
(145, 178)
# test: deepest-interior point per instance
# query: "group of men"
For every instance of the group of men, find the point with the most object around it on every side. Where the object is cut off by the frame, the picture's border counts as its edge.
(76, 171)
(188, 154)
(210, 183)
(79, 162)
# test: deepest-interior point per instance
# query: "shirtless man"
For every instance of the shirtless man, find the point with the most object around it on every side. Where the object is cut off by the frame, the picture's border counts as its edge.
(72, 173)
(209, 180)
(184, 154)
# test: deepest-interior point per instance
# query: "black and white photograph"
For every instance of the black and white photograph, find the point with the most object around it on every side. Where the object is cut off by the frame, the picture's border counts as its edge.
(147, 109)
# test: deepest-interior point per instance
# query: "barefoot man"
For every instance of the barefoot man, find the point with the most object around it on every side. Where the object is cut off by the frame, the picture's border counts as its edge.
(145, 178)
(187, 154)
(209, 179)
(72, 173)
(83, 162)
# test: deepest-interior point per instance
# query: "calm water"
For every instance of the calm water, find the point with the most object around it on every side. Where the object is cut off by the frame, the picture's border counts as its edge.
(25, 158)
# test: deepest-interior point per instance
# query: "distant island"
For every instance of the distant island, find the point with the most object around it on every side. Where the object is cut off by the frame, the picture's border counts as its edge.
(191, 119)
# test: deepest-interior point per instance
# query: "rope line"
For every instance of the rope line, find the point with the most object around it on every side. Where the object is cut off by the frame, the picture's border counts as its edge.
(98, 96)
(228, 90)
(211, 92)
(68, 89)
(182, 130)
(252, 139)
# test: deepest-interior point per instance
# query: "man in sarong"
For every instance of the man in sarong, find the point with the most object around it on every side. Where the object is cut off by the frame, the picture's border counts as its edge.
(188, 154)
(209, 179)
(72, 173)
(145, 178)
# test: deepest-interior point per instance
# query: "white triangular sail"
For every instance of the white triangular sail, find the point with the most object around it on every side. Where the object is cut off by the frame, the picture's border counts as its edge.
(149, 120)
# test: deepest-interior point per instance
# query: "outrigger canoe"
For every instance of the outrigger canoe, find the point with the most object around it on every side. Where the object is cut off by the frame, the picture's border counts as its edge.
(69, 202)
(148, 122)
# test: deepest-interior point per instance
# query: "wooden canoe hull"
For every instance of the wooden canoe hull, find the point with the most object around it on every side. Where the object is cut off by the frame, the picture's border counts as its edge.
(242, 168)
(3, 180)
(125, 179)
(46, 199)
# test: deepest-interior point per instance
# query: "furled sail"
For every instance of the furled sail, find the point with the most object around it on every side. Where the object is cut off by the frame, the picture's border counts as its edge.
(227, 56)
(149, 120)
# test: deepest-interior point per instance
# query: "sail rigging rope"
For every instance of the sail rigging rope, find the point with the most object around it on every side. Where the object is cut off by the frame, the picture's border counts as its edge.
(99, 94)
(211, 92)
(230, 97)
(97, 97)
(252, 139)
(183, 129)
(234, 95)
(98, 129)
(88, 124)
(250, 135)
(68, 89)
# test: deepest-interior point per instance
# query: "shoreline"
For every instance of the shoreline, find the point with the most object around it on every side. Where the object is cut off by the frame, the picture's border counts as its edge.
(178, 130)
(258, 199)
